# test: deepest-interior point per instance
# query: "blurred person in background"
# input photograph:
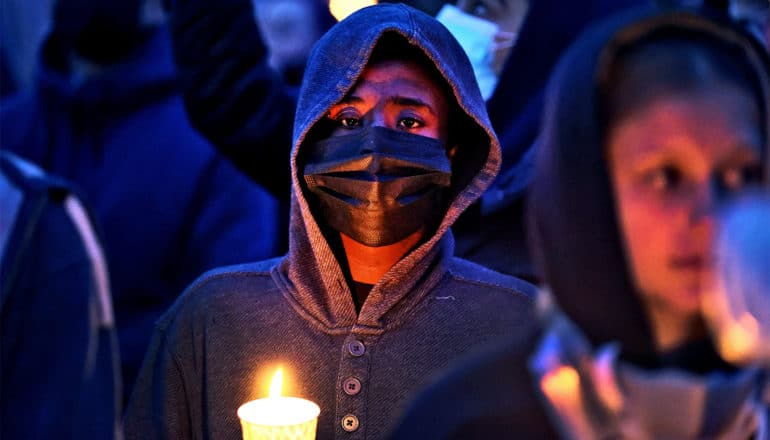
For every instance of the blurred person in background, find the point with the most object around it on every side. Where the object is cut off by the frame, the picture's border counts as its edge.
(654, 122)
(59, 362)
(755, 15)
(492, 231)
(23, 25)
(105, 113)
(289, 29)
(233, 92)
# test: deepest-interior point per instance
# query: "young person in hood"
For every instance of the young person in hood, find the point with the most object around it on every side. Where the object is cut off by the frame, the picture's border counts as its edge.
(391, 143)
(630, 183)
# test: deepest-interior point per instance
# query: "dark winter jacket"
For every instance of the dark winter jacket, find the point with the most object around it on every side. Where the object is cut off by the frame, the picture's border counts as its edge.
(59, 363)
(170, 206)
(493, 232)
(598, 337)
(233, 327)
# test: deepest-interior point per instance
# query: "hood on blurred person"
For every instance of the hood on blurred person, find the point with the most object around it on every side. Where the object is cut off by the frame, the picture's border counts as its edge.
(104, 32)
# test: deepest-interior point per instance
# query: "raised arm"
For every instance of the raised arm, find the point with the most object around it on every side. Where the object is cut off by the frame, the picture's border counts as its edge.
(232, 96)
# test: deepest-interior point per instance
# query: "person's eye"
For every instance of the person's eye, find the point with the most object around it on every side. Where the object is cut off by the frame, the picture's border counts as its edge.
(348, 122)
(347, 118)
(409, 123)
(664, 178)
(736, 178)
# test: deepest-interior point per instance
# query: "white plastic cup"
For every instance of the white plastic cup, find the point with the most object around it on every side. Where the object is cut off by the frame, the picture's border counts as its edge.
(279, 418)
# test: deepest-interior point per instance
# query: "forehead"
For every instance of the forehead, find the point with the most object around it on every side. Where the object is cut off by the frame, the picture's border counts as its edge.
(709, 121)
(399, 77)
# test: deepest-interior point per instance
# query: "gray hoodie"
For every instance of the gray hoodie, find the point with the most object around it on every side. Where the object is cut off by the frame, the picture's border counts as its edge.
(216, 348)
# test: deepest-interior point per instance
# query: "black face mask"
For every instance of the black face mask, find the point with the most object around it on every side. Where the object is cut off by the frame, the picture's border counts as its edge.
(377, 185)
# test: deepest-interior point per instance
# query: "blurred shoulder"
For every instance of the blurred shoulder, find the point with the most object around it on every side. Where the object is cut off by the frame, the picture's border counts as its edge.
(487, 395)
(468, 272)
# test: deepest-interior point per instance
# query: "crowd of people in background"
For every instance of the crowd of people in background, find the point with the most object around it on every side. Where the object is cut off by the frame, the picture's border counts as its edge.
(481, 219)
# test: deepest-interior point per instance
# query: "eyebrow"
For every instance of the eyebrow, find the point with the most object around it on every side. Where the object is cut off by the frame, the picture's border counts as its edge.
(398, 100)
(410, 102)
(349, 100)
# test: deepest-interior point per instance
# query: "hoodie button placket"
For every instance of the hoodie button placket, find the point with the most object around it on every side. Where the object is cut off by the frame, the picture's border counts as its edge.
(351, 386)
(353, 374)
(350, 423)
(356, 348)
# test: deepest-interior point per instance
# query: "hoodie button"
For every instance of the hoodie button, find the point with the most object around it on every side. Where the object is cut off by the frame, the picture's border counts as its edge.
(351, 386)
(350, 423)
(356, 348)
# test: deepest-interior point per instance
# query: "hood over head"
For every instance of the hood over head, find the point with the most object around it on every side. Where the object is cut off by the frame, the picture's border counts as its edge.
(147, 76)
(549, 28)
(574, 227)
(334, 66)
(516, 106)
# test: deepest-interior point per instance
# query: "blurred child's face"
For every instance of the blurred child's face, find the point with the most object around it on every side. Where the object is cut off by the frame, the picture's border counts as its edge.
(289, 28)
(672, 163)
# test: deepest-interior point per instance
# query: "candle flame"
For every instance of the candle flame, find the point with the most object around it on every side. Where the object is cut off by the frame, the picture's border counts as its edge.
(562, 389)
(276, 383)
(563, 384)
(739, 338)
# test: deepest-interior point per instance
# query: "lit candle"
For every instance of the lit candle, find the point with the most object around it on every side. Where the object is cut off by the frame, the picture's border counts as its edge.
(562, 388)
(278, 417)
